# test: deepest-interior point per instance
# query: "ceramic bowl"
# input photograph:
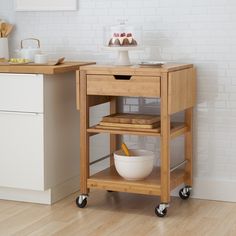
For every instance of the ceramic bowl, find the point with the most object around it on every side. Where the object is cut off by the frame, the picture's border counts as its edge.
(135, 167)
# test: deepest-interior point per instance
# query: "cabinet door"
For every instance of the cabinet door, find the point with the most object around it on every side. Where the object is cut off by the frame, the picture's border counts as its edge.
(21, 150)
(21, 92)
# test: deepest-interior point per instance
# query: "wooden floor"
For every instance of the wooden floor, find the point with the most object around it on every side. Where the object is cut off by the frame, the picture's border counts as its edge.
(118, 214)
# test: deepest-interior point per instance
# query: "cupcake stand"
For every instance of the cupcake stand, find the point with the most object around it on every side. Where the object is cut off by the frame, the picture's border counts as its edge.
(122, 54)
(121, 39)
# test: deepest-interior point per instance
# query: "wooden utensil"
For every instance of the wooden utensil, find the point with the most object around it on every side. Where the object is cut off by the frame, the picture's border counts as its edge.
(0, 29)
(9, 30)
(125, 149)
(3, 29)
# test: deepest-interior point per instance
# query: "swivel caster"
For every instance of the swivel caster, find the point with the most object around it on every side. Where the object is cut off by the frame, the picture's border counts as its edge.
(184, 193)
(161, 209)
(81, 201)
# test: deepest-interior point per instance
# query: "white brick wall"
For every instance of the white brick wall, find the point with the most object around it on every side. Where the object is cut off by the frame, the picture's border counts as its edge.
(193, 31)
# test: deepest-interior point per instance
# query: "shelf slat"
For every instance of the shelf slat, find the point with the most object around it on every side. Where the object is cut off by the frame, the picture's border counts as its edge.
(109, 179)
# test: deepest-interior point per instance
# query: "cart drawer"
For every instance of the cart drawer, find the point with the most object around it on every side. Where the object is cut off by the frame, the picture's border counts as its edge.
(123, 85)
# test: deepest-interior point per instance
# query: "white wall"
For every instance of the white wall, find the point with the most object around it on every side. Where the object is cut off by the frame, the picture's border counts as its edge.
(193, 31)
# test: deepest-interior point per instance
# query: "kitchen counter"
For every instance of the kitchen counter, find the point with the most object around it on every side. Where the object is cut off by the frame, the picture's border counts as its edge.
(43, 69)
(39, 132)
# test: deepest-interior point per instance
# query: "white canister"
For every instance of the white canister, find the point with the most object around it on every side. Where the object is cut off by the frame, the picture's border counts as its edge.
(4, 51)
(41, 58)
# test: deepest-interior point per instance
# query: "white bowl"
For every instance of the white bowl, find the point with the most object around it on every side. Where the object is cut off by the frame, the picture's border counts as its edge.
(41, 58)
(135, 167)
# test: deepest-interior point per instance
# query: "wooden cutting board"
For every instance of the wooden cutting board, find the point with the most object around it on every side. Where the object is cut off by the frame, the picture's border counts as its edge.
(131, 119)
(123, 125)
(127, 129)
(51, 63)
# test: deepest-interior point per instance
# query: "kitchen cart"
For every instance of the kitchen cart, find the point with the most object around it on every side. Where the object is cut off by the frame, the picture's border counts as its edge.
(174, 85)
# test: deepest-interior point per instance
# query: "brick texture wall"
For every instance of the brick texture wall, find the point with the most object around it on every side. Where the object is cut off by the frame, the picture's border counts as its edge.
(200, 32)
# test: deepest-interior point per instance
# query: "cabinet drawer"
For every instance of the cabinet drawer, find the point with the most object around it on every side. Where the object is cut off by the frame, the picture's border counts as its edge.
(21, 152)
(123, 85)
(21, 92)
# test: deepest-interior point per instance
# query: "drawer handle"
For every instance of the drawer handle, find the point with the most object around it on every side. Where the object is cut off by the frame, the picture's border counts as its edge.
(19, 112)
(122, 77)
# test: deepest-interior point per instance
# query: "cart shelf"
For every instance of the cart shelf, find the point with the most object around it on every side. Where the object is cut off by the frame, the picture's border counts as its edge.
(109, 179)
(176, 130)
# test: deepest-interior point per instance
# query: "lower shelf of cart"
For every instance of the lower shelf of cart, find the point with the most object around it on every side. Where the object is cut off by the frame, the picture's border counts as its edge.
(109, 179)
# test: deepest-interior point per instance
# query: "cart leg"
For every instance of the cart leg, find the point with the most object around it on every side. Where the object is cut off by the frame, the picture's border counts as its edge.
(189, 146)
(84, 138)
(165, 142)
(113, 137)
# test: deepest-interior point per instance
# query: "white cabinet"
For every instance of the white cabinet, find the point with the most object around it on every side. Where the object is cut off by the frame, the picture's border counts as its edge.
(21, 152)
(39, 133)
(21, 92)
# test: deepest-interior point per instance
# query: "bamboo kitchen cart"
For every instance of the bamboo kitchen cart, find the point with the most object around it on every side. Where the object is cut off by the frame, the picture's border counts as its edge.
(174, 85)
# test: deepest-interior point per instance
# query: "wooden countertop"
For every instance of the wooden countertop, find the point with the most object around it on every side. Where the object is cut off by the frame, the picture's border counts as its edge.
(169, 67)
(43, 69)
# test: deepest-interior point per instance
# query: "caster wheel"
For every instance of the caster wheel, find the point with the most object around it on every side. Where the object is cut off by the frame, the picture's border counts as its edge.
(184, 193)
(81, 201)
(161, 210)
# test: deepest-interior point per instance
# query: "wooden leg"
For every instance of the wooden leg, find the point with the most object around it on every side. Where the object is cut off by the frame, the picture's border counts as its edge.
(84, 138)
(189, 146)
(113, 137)
(165, 142)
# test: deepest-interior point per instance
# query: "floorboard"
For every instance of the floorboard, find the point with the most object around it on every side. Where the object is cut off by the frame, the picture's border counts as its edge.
(118, 214)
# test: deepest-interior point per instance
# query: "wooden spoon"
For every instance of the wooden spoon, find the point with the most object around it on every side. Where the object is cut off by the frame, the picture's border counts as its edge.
(4, 29)
(0, 29)
(9, 29)
(125, 149)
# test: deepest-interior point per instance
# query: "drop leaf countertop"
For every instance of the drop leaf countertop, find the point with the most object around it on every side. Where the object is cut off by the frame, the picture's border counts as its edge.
(43, 69)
